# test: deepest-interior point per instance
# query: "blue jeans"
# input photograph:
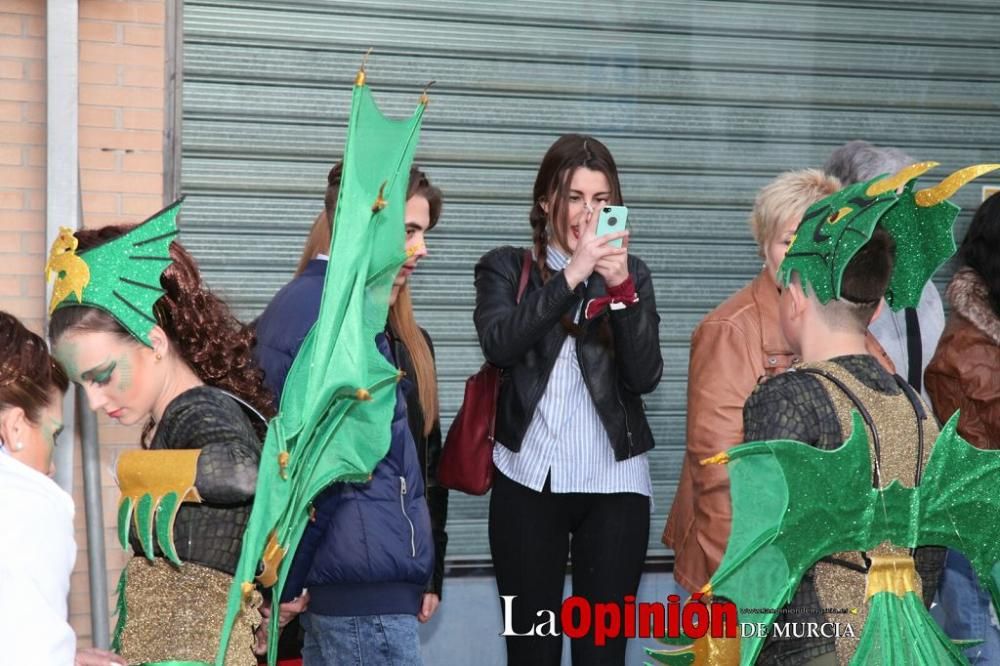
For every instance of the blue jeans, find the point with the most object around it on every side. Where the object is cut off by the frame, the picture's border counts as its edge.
(966, 610)
(364, 640)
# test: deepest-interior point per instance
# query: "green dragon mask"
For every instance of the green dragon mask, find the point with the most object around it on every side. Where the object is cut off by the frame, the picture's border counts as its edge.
(835, 228)
(121, 276)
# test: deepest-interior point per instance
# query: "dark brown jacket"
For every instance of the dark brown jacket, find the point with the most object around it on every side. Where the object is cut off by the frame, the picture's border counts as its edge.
(735, 347)
(965, 371)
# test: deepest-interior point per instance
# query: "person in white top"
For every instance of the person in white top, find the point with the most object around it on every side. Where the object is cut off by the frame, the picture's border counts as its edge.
(37, 550)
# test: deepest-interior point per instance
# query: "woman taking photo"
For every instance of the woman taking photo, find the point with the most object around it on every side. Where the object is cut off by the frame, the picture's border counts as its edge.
(136, 328)
(571, 431)
(37, 551)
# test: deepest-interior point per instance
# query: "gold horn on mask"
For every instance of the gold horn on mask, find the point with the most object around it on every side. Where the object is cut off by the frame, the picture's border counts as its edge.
(900, 178)
(932, 196)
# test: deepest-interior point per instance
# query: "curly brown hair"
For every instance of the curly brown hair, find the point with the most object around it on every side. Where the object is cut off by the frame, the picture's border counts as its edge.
(28, 373)
(216, 345)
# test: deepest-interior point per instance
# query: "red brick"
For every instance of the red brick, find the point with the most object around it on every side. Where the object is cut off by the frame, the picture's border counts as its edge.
(100, 73)
(33, 243)
(16, 219)
(22, 91)
(142, 119)
(143, 98)
(102, 181)
(22, 47)
(22, 176)
(97, 159)
(98, 116)
(36, 156)
(11, 155)
(35, 70)
(119, 55)
(10, 285)
(11, 24)
(24, 308)
(10, 110)
(34, 112)
(144, 36)
(22, 133)
(95, 31)
(106, 138)
(141, 205)
(100, 202)
(146, 162)
(10, 243)
(11, 200)
(33, 7)
(143, 77)
(11, 69)
(98, 220)
(34, 26)
(34, 200)
(33, 287)
(126, 10)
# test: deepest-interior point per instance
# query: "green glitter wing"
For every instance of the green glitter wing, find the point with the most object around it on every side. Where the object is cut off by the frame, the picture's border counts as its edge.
(794, 504)
(835, 228)
(121, 276)
(339, 396)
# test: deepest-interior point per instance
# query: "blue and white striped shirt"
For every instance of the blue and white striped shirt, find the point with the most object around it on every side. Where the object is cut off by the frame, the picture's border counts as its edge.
(566, 437)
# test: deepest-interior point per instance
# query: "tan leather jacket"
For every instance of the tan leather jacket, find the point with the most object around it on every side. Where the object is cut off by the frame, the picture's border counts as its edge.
(965, 371)
(735, 346)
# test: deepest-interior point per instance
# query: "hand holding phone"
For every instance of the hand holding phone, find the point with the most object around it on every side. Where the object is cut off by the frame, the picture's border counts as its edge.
(612, 219)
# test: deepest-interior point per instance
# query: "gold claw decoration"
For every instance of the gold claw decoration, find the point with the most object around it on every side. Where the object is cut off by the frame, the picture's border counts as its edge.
(932, 196)
(153, 485)
(246, 589)
(900, 178)
(274, 553)
(359, 80)
(362, 394)
(718, 459)
(283, 464)
(399, 375)
(706, 590)
(890, 573)
(71, 272)
(380, 201)
(424, 99)
(413, 249)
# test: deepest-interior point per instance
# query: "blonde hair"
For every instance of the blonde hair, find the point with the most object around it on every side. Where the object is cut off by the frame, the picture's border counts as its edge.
(317, 243)
(788, 195)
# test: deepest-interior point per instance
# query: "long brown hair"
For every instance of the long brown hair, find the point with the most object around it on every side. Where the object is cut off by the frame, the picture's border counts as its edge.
(563, 158)
(199, 324)
(28, 373)
(401, 319)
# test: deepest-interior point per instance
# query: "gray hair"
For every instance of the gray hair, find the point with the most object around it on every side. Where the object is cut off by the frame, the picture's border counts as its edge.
(858, 161)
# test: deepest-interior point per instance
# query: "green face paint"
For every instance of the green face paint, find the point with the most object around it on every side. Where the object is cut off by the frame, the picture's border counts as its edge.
(66, 353)
(126, 374)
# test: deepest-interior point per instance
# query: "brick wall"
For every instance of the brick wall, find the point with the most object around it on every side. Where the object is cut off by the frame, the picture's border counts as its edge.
(121, 118)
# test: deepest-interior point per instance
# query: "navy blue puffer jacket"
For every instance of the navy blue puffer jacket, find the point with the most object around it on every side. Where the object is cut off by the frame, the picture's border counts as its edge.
(369, 550)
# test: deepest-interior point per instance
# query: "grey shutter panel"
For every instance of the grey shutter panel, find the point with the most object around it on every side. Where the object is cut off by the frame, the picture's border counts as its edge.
(701, 103)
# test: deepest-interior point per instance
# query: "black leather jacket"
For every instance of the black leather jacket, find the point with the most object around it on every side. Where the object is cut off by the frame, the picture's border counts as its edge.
(429, 451)
(524, 340)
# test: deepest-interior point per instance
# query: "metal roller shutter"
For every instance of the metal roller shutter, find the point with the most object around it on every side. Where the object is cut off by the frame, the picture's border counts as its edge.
(700, 102)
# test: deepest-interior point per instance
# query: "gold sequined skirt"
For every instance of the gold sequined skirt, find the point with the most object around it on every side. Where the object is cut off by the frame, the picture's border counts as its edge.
(176, 613)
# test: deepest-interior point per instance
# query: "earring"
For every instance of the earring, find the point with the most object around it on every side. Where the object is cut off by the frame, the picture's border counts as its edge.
(17, 446)
(159, 356)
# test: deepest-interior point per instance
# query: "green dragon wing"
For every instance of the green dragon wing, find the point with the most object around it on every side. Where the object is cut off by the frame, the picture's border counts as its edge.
(340, 393)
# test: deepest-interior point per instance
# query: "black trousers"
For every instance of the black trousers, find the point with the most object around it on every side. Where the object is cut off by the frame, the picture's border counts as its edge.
(532, 533)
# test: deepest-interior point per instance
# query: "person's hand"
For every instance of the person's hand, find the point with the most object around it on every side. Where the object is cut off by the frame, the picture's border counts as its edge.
(428, 606)
(286, 613)
(614, 268)
(94, 657)
(590, 250)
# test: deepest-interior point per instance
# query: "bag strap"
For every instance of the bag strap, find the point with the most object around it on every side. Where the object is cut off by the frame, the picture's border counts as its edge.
(525, 274)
